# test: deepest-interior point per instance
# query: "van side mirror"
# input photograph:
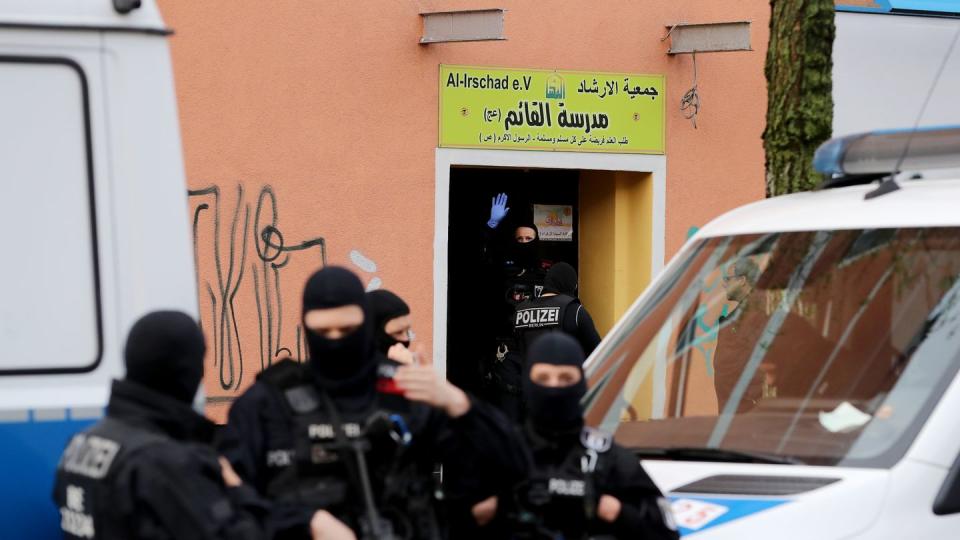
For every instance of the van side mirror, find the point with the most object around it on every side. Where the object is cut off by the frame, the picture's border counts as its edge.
(125, 6)
(948, 500)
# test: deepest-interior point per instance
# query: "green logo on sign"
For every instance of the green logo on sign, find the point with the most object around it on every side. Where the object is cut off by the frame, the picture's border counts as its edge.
(555, 89)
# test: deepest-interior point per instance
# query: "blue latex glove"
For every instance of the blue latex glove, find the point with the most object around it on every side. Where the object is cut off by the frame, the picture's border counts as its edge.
(498, 210)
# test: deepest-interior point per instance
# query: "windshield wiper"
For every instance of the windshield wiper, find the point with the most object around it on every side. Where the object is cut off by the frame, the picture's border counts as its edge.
(715, 454)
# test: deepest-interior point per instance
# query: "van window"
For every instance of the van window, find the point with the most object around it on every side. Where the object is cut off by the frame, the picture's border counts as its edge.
(816, 347)
(49, 293)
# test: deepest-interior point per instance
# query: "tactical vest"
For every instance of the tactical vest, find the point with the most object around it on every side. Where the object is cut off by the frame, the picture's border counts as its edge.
(560, 500)
(321, 472)
(540, 316)
(86, 475)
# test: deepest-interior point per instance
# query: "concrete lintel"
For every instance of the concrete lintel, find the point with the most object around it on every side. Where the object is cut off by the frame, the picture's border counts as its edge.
(688, 38)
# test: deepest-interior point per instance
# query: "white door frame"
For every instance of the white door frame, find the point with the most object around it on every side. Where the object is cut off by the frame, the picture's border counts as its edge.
(656, 165)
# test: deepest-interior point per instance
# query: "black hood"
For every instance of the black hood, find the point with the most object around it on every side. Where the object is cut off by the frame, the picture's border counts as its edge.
(561, 279)
(525, 254)
(164, 352)
(345, 367)
(554, 411)
(385, 307)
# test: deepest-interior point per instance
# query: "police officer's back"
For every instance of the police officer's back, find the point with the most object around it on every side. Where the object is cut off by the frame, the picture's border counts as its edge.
(578, 482)
(316, 435)
(557, 310)
(147, 470)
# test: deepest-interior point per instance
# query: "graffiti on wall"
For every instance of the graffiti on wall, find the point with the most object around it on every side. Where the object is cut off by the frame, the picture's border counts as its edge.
(241, 253)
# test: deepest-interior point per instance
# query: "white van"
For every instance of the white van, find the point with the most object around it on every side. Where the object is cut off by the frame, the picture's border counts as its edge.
(793, 371)
(93, 210)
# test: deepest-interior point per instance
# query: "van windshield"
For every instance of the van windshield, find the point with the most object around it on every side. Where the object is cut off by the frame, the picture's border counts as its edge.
(821, 347)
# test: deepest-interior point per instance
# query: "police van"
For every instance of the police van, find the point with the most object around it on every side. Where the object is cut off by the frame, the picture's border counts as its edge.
(94, 213)
(793, 371)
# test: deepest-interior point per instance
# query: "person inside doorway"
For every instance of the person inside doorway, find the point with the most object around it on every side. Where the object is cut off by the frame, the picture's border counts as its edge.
(514, 273)
(558, 309)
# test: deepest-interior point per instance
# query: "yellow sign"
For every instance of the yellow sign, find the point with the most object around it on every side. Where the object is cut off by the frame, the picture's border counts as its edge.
(570, 111)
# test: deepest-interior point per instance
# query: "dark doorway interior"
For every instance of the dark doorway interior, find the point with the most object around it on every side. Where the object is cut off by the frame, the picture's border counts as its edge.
(470, 300)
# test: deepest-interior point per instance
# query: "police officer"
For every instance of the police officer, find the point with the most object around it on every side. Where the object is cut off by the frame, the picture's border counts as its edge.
(578, 482)
(521, 268)
(317, 436)
(517, 273)
(392, 335)
(392, 325)
(556, 310)
(147, 470)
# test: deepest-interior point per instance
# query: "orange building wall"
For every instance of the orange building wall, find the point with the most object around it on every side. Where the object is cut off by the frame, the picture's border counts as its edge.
(332, 105)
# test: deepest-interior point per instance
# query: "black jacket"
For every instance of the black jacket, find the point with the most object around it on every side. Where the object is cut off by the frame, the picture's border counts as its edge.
(262, 434)
(574, 320)
(555, 468)
(147, 471)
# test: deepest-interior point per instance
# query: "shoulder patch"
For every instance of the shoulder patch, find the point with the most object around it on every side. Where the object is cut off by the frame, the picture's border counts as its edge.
(302, 399)
(90, 455)
(596, 440)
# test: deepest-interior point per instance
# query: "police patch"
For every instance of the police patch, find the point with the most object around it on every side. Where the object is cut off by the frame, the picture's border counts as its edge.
(537, 317)
(566, 487)
(90, 456)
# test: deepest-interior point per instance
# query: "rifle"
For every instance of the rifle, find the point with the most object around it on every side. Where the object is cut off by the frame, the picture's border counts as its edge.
(530, 499)
(527, 523)
(372, 525)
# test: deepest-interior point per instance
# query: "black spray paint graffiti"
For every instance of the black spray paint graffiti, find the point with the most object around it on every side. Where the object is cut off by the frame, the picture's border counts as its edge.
(272, 256)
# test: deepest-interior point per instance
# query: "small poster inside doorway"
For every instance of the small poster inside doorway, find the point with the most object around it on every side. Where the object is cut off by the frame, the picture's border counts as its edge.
(554, 221)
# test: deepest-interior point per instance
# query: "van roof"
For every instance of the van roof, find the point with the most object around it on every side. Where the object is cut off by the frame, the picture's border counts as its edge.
(919, 203)
(80, 15)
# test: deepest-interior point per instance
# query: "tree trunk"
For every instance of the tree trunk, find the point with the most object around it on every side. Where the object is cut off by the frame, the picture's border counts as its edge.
(799, 91)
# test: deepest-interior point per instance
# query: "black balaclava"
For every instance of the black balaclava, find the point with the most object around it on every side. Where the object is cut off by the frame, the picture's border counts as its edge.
(164, 352)
(345, 367)
(385, 307)
(555, 410)
(527, 254)
(561, 279)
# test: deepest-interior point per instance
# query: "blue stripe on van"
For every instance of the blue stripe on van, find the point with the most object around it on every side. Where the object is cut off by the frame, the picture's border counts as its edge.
(29, 452)
(732, 508)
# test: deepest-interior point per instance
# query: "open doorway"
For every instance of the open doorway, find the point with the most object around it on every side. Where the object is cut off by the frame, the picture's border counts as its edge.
(604, 229)
(473, 299)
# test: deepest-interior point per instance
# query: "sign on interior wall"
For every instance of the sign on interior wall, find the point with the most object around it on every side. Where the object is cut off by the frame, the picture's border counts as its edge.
(570, 111)
(554, 222)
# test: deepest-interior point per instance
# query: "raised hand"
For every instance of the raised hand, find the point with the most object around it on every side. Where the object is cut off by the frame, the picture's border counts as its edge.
(498, 210)
(423, 384)
(399, 353)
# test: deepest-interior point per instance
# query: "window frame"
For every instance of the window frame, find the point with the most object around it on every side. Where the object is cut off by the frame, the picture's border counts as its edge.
(92, 213)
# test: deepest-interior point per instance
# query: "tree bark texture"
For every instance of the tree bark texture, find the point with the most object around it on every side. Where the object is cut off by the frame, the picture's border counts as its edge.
(799, 91)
